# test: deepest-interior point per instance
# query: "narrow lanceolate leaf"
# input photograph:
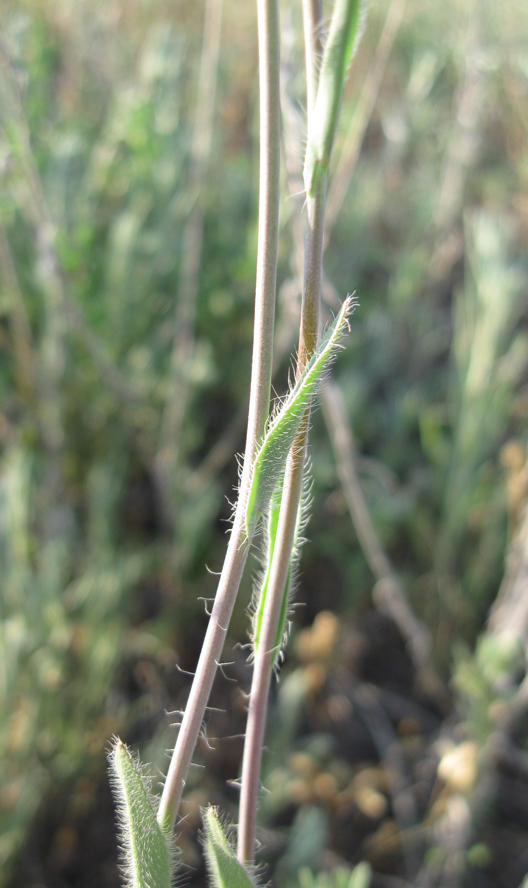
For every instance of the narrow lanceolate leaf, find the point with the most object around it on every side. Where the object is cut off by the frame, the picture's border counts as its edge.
(270, 460)
(262, 588)
(225, 870)
(322, 123)
(146, 859)
(269, 543)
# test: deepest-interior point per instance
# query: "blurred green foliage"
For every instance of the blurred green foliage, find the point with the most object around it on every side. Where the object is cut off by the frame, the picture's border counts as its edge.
(340, 878)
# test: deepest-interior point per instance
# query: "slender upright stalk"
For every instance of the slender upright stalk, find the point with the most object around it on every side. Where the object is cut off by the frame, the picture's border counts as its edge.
(266, 651)
(312, 11)
(323, 110)
(358, 126)
(237, 551)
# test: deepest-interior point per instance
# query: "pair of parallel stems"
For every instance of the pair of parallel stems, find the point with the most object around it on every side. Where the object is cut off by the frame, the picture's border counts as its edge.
(261, 372)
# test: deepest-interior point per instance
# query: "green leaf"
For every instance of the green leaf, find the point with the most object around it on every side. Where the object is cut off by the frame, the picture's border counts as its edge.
(269, 544)
(322, 123)
(270, 460)
(224, 868)
(262, 588)
(146, 858)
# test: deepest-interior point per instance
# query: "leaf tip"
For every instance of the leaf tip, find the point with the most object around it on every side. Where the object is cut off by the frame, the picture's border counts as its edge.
(146, 860)
(225, 869)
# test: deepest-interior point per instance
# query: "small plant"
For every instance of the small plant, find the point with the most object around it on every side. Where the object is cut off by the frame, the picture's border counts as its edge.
(127, 253)
(272, 477)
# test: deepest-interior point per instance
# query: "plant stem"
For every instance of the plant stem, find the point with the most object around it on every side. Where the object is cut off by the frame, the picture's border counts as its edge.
(323, 111)
(237, 551)
(312, 13)
(358, 126)
(23, 345)
(266, 651)
(265, 656)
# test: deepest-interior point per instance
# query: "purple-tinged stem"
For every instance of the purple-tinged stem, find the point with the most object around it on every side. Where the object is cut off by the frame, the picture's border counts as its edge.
(237, 551)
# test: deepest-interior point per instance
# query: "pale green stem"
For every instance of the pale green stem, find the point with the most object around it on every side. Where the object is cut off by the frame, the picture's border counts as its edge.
(367, 100)
(238, 547)
(265, 654)
(312, 52)
(322, 120)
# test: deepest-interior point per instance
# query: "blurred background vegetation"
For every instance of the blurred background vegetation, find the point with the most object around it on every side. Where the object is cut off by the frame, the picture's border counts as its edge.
(129, 167)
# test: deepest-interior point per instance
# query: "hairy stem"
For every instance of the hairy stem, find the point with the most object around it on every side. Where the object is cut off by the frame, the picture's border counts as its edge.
(265, 657)
(323, 110)
(266, 651)
(238, 547)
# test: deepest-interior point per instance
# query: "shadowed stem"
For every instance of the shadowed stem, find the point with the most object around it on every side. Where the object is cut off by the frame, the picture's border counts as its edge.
(237, 551)
(23, 346)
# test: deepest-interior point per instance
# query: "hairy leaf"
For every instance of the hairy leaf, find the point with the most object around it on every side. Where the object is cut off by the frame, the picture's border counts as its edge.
(224, 868)
(146, 858)
(270, 460)
(262, 588)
